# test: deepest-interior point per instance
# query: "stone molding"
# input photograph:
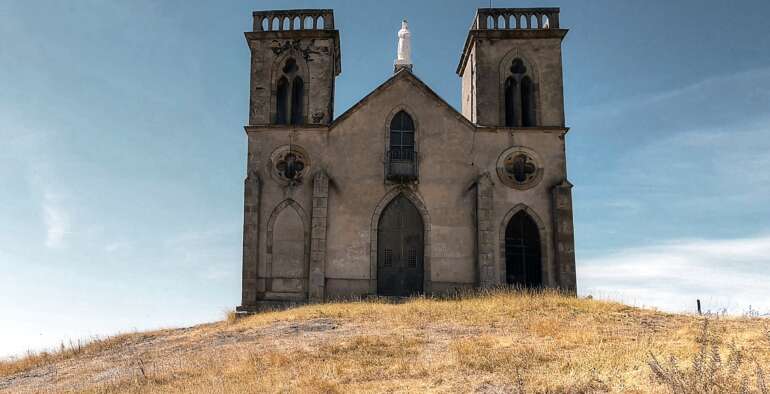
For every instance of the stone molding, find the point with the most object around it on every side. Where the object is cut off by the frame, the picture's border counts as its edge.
(319, 224)
(485, 245)
(564, 236)
(251, 201)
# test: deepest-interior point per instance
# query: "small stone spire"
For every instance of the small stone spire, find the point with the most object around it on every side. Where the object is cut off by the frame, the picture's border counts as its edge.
(404, 56)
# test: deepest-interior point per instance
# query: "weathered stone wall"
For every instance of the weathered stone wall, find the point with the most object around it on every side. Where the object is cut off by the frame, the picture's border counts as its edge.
(452, 155)
(461, 194)
(492, 54)
(316, 54)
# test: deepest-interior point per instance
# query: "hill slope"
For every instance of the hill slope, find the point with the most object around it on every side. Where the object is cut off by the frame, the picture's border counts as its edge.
(500, 341)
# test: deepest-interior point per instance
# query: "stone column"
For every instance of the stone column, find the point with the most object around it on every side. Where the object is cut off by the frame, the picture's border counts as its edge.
(317, 275)
(564, 237)
(485, 234)
(251, 197)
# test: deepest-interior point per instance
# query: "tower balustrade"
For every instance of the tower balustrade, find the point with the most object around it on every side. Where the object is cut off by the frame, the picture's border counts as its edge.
(288, 20)
(516, 19)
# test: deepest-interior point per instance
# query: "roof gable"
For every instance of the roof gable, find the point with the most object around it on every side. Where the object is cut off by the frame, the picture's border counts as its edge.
(402, 74)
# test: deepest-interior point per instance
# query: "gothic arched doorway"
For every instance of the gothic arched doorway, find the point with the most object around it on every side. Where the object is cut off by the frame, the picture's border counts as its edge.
(523, 266)
(400, 249)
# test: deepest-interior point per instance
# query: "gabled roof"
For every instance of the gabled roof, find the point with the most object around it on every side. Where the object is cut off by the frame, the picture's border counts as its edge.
(402, 73)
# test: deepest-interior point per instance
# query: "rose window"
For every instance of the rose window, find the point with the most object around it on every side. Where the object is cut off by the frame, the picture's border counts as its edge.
(519, 168)
(289, 165)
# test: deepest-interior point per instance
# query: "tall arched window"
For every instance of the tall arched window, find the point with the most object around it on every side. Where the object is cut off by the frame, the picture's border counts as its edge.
(527, 102)
(523, 265)
(289, 96)
(402, 164)
(281, 104)
(520, 109)
(297, 90)
(402, 137)
(511, 87)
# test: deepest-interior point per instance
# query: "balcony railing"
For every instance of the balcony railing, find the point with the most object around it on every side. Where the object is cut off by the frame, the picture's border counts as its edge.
(516, 19)
(401, 165)
(287, 20)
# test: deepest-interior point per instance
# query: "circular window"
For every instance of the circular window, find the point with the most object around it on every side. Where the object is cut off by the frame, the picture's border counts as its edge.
(289, 164)
(519, 168)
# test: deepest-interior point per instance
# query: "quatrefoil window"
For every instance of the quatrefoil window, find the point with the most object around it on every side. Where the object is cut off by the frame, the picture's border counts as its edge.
(518, 167)
(289, 164)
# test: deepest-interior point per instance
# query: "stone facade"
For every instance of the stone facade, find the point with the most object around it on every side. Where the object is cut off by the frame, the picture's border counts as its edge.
(483, 196)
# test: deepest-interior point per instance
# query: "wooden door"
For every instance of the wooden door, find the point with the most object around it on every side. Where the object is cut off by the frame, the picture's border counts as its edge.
(400, 249)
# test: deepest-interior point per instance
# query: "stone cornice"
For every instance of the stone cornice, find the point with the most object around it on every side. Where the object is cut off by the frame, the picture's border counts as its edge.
(520, 34)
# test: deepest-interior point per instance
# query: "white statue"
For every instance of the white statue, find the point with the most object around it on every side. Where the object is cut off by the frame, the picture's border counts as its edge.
(404, 56)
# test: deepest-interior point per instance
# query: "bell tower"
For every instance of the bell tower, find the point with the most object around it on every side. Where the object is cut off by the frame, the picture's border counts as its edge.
(295, 57)
(511, 68)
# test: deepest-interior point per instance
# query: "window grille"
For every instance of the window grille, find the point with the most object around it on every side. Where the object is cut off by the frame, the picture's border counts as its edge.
(412, 259)
(388, 258)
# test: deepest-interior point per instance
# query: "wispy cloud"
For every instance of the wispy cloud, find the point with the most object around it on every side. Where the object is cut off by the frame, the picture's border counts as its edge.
(56, 220)
(724, 273)
(721, 99)
(117, 246)
(211, 253)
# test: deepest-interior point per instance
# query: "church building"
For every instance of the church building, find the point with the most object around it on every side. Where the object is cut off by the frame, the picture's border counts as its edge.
(403, 194)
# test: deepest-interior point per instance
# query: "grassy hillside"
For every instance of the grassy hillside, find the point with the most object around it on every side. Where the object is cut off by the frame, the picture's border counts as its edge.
(495, 342)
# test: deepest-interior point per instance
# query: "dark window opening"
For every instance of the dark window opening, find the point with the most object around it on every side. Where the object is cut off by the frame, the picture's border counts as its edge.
(401, 158)
(519, 97)
(518, 67)
(290, 66)
(523, 168)
(510, 102)
(281, 105)
(527, 102)
(297, 91)
(522, 252)
(290, 96)
(402, 137)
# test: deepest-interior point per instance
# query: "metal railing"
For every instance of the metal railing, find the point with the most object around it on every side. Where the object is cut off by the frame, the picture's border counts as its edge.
(401, 165)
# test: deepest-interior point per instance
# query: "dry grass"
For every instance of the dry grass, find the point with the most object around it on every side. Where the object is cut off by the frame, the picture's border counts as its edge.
(500, 341)
(66, 351)
(712, 370)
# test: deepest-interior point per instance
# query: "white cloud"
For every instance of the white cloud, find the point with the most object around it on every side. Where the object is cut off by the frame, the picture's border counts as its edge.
(117, 246)
(727, 274)
(56, 220)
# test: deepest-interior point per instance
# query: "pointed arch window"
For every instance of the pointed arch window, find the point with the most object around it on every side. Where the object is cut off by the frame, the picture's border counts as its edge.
(523, 263)
(297, 91)
(402, 163)
(281, 104)
(527, 102)
(511, 88)
(520, 109)
(289, 96)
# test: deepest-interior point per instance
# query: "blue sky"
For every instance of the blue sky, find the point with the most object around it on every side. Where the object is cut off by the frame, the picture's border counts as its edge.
(122, 151)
